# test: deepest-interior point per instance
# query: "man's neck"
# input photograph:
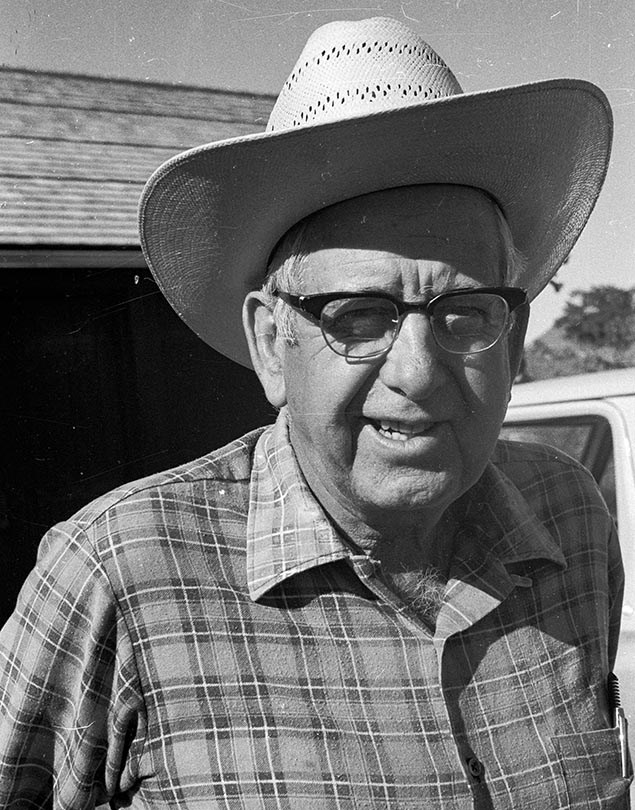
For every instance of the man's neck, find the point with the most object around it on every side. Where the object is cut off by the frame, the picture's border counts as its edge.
(401, 542)
(414, 564)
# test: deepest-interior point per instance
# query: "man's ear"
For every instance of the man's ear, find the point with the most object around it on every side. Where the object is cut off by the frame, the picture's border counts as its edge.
(265, 348)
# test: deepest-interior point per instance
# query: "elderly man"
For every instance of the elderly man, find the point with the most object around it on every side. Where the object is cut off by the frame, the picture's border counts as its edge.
(371, 603)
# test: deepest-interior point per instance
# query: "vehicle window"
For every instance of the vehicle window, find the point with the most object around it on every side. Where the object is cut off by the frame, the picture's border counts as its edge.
(572, 438)
(587, 439)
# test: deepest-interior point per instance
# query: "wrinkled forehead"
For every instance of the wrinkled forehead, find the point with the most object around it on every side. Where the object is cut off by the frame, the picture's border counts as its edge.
(401, 220)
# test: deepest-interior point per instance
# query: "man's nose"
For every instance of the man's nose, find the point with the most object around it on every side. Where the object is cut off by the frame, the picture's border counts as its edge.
(414, 365)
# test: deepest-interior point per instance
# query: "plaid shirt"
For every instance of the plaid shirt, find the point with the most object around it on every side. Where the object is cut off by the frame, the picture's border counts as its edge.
(204, 639)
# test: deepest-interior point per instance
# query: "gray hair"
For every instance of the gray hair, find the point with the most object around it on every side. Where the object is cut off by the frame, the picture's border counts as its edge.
(285, 270)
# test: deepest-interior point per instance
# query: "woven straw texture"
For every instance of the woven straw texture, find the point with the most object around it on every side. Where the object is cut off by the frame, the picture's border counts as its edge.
(349, 69)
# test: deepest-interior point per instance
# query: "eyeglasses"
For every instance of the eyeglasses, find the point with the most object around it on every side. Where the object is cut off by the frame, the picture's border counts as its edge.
(362, 325)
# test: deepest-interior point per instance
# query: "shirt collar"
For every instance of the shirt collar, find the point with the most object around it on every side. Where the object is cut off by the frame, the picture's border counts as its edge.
(499, 536)
(289, 532)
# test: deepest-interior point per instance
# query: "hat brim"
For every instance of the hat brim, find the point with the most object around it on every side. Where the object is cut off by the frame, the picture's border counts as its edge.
(210, 217)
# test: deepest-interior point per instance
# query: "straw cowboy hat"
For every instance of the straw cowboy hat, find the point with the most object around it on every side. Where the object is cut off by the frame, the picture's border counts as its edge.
(370, 106)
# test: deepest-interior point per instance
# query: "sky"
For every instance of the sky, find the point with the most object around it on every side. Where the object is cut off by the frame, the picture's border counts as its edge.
(252, 45)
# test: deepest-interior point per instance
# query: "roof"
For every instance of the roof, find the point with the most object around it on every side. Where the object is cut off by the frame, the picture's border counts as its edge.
(75, 150)
(596, 385)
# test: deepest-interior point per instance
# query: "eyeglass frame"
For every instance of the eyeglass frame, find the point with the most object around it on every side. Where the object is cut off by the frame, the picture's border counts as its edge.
(313, 305)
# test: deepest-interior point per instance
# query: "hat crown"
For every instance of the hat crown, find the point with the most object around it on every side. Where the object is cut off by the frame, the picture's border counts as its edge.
(360, 67)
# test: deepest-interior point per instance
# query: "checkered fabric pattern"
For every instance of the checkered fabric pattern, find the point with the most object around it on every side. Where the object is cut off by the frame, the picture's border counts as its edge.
(204, 639)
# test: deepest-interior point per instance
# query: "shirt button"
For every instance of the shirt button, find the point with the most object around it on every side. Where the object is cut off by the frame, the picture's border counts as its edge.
(475, 767)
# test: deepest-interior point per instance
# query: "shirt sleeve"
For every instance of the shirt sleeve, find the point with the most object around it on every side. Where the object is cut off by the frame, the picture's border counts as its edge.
(72, 718)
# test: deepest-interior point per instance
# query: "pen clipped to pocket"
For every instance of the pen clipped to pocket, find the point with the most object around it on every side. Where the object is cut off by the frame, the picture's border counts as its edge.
(619, 721)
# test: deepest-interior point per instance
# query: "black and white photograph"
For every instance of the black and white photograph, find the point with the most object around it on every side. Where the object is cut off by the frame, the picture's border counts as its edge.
(317, 457)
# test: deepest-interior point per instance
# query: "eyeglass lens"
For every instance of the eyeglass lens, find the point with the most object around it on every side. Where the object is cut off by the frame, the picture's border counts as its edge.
(461, 324)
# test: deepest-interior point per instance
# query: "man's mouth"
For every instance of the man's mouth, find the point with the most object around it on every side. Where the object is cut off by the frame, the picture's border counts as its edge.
(400, 431)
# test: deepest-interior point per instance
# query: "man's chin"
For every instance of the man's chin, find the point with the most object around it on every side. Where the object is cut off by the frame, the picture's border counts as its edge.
(407, 495)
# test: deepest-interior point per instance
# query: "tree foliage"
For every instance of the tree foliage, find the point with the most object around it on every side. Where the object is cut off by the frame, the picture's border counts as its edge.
(596, 332)
(601, 316)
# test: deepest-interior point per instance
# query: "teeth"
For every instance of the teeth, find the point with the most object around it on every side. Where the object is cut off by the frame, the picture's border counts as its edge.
(397, 431)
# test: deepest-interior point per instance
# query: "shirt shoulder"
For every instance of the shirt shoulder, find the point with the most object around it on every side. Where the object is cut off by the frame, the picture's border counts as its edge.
(182, 525)
(230, 465)
(561, 492)
(527, 462)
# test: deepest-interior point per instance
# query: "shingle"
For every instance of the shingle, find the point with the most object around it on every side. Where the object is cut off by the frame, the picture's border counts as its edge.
(75, 151)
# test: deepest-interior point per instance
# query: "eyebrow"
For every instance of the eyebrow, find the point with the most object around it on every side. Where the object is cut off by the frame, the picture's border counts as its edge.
(426, 293)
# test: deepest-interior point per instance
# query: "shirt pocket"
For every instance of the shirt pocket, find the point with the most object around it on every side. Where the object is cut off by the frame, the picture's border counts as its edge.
(591, 767)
